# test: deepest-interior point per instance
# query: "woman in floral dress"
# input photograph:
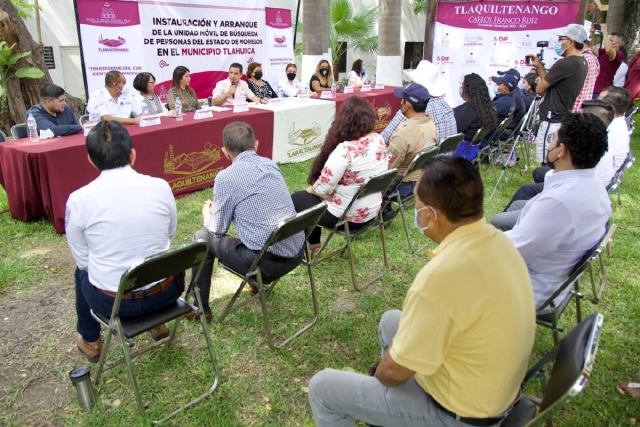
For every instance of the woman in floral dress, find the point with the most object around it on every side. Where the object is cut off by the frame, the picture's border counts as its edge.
(351, 153)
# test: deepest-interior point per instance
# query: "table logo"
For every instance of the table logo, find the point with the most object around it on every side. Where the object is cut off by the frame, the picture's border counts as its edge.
(194, 168)
(304, 139)
(470, 40)
(382, 115)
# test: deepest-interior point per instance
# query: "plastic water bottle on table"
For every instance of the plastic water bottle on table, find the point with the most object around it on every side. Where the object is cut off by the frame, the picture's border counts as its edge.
(179, 115)
(333, 89)
(94, 115)
(32, 129)
(145, 108)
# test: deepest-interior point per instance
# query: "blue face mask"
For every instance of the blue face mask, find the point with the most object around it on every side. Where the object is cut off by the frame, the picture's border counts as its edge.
(364, 69)
(495, 90)
(558, 48)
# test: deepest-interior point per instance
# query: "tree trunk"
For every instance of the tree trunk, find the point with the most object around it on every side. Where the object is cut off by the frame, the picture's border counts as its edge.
(631, 29)
(315, 32)
(615, 16)
(429, 29)
(23, 93)
(389, 61)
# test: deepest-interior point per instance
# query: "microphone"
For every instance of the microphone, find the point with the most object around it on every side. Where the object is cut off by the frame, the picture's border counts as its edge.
(233, 83)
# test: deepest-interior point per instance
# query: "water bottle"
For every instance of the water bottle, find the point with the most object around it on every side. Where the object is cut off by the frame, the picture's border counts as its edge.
(243, 96)
(306, 88)
(145, 108)
(94, 115)
(179, 116)
(81, 379)
(280, 93)
(333, 89)
(32, 129)
(373, 82)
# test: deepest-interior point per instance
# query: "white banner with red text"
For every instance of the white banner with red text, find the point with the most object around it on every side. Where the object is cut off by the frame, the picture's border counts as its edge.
(278, 45)
(485, 37)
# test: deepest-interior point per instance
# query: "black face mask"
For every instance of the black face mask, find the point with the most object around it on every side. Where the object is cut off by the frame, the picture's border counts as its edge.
(258, 75)
(291, 76)
(324, 71)
(550, 163)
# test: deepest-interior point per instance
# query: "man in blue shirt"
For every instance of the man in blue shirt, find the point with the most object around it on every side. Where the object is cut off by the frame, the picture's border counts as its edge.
(520, 108)
(53, 113)
(252, 194)
(503, 101)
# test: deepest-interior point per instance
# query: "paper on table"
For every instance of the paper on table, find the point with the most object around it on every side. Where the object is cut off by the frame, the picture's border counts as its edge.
(218, 109)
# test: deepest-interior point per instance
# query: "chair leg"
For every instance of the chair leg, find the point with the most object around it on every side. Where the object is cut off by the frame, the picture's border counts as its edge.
(406, 228)
(103, 355)
(603, 276)
(554, 329)
(230, 306)
(132, 376)
(578, 297)
(596, 298)
(352, 263)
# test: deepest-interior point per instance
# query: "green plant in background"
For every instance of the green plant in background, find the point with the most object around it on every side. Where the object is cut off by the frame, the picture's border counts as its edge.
(24, 9)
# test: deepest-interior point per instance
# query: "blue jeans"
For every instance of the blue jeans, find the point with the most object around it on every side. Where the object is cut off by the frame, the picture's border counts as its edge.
(89, 297)
(405, 189)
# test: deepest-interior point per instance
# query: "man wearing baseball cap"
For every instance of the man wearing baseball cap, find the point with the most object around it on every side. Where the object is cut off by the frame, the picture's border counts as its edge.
(561, 85)
(416, 134)
(503, 101)
(518, 99)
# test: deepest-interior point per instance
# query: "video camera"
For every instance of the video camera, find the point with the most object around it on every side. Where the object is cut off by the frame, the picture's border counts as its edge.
(541, 45)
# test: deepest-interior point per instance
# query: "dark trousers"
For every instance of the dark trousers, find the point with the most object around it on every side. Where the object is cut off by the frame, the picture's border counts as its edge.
(235, 255)
(405, 189)
(526, 192)
(303, 200)
(88, 297)
(539, 173)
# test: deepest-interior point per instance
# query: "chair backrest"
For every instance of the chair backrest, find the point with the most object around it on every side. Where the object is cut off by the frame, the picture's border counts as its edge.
(83, 119)
(574, 360)
(631, 111)
(298, 223)
(500, 129)
(3, 136)
(418, 161)
(450, 144)
(481, 133)
(19, 131)
(164, 264)
(375, 184)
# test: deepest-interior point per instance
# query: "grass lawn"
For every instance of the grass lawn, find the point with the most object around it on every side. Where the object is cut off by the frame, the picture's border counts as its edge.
(260, 387)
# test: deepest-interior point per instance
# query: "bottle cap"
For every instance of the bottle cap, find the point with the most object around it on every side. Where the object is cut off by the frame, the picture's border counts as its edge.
(81, 373)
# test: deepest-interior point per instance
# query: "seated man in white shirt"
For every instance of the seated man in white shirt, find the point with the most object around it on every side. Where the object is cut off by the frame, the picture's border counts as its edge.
(111, 223)
(619, 137)
(290, 85)
(228, 91)
(114, 103)
(558, 226)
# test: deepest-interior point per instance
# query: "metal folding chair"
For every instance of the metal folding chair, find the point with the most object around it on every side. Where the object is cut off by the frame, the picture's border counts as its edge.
(150, 270)
(376, 184)
(616, 181)
(493, 148)
(549, 313)
(19, 131)
(3, 136)
(509, 152)
(83, 119)
(604, 243)
(573, 360)
(394, 194)
(303, 221)
(450, 144)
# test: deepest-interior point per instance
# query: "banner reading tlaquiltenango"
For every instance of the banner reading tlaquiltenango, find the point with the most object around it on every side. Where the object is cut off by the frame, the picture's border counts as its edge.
(484, 37)
(279, 44)
(206, 36)
(111, 40)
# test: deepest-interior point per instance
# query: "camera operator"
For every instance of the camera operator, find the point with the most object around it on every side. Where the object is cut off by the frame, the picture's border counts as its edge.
(561, 85)
(609, 58)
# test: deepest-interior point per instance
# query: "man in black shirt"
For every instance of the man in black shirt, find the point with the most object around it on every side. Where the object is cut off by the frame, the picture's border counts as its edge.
(561, 85)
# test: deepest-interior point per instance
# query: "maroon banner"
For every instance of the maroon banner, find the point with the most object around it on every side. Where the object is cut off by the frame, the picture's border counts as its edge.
(39, 177)
(385, 104)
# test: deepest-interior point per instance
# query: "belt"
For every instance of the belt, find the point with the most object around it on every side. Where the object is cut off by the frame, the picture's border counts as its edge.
(160, 287)
(272, 257)
(480, 422)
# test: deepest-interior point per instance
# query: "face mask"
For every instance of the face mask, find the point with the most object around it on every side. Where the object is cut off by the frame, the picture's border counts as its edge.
(258, 75)
(548, 159)
(495, 90)
(364, 69)
(460, 90)
(324, 71)
(415, 218)
(559, 50)
(291, 76)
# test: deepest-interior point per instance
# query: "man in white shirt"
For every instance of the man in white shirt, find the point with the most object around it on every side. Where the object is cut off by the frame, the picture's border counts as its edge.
(113, 102)
(111, 223)
(619, 136)
(558, 226)
(228, 91)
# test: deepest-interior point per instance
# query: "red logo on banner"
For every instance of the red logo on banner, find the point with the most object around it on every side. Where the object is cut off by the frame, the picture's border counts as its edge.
(163, 64)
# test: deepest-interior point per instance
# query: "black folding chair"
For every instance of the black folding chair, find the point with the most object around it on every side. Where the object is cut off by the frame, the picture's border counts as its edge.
(494, 146)
(573, 360)
(450, 144)
(147, 271)
(394, 194)
(376, 184)
(303, 221)
(550, 312)
(604, 243)
(19, 131)
(3, 136)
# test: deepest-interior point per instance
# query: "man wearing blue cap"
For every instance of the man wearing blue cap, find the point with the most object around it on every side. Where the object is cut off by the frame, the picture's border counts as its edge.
(503, 101)
(518, 100)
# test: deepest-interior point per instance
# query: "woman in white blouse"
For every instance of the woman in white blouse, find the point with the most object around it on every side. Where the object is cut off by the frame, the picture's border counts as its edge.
(290, 85)
(351, 153)
(358, 74)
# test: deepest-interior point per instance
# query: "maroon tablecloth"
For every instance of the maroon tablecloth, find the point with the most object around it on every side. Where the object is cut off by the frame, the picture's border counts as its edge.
(385, 105)
(39, 176)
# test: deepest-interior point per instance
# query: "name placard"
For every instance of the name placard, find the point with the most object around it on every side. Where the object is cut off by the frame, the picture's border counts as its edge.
(87, 127)
(276, 102)
(241, 107)
(378, 86)
(303, 97)
(348, 89)
(365, 88)
(149, 121)
(202, 114)
(326, 94)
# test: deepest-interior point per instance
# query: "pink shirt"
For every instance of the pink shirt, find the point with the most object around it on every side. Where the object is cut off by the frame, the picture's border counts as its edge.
(593, 69)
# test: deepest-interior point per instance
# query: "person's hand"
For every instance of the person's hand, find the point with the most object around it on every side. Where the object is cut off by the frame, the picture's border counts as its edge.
(367, 82)
(310, 190)
(603, 28)
(207, 209)
(535, 61)
(137, 120)
(313, 94)
(264, 100)
(171, 113)
(231, 90)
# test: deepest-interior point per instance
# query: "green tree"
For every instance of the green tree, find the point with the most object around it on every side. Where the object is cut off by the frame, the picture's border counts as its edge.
(24, 9)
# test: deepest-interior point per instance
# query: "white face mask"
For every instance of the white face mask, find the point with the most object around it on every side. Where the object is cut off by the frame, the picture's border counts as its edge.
(415, 219)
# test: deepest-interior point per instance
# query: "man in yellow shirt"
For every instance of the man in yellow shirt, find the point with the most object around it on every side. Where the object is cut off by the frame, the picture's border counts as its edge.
(458, 351)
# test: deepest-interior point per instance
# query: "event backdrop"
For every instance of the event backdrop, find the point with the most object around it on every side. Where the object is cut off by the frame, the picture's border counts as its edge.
(484, 37)
(205, 36)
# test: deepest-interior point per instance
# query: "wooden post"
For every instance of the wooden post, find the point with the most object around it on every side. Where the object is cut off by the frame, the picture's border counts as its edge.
(429, 30)
(582, 12)
(37, 11)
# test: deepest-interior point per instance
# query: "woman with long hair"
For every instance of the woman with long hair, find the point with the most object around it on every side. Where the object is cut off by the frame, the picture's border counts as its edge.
(182, 90)
(322, 78)
(260, 88)
(145, 84)
(358, 74)
(351, 153)
(530, 86)
(477, 111)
